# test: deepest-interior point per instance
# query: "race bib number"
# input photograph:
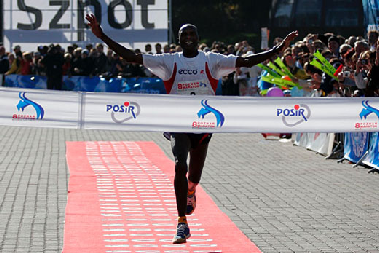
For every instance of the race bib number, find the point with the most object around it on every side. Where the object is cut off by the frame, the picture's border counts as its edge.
(194, 88)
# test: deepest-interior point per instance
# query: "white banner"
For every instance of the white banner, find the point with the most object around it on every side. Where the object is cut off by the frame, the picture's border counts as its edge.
(174, 113)
(319, 142)
(30, 23)
(39, 108)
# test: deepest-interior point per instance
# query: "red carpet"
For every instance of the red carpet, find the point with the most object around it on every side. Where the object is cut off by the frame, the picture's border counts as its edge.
(121, 199)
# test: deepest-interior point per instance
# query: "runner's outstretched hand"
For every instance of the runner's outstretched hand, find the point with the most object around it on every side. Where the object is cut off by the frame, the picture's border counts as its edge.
(95, 26)
(254, 59)
(127, 54)
(287, 41)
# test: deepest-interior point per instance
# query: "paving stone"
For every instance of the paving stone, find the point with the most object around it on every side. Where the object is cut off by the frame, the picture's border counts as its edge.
(283, 197)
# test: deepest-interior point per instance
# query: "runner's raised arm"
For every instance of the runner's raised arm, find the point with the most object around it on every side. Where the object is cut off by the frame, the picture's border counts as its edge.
(123, 52)
(255, 59)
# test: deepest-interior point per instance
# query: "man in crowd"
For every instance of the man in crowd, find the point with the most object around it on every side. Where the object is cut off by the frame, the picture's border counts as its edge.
(148, 49)
(158, 48)
(53, 63)
(87, 67)
(100, 60)
(4, 64)
(211, 67)
(333, 45)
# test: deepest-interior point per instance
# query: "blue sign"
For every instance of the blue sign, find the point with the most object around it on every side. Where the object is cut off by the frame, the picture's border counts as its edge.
(372, 157)
(355, 146)
(96, 84)
(91, 84)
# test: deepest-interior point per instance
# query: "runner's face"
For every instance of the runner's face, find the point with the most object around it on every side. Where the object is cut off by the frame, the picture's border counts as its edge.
(188, 39)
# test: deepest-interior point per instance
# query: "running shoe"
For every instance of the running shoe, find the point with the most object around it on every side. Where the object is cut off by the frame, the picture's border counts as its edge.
(182, 233)
(191, 203)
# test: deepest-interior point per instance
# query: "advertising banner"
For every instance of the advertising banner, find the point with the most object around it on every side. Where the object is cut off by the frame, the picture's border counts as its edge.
(176, 113)
(300, 139)
(355, 146)
(30, 23)
(39, 108)
(173, 113)
(372, 158)
(321, 143)
(91, 84)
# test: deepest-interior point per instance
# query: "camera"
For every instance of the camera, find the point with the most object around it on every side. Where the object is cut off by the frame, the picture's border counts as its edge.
(364, 61)
(346, 73)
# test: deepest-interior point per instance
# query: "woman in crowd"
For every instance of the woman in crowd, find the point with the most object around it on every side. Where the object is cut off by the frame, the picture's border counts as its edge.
(15, 63)
(27, 64)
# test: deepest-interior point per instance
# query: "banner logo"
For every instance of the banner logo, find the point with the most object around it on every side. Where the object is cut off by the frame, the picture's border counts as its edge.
(294, 116)
(366, 111)
(124, 112)
(204, 111)
(191, 85)
(187, 71)
(359, 141)
(24, 103)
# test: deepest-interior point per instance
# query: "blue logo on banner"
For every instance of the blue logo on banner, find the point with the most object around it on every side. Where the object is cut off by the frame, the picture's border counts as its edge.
(355, 145)
(25, 102)
(205, 111)
(372, 157)
(127, 111)
(294, 116)
(367, 110)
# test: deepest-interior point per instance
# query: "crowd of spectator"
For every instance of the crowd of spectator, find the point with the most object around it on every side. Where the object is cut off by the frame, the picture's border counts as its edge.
(355, 58)
(73, 61)
(358, 56)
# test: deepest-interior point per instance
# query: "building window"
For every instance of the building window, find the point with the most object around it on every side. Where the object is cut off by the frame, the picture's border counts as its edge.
(282, 16)
(308, 13)
(342, 13)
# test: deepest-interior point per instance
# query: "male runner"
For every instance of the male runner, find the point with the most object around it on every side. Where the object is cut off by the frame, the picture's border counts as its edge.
(189, 72)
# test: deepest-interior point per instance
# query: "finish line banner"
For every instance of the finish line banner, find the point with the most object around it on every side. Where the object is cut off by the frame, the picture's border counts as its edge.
(174, 113)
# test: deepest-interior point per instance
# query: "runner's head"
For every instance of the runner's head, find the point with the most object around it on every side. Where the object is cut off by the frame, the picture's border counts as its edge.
(188, 37)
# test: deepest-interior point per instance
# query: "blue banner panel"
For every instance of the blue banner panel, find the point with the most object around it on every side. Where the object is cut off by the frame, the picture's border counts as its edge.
(372, 158)
(91, 84)
(145, 85)
(29, 82)
(355, 145)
